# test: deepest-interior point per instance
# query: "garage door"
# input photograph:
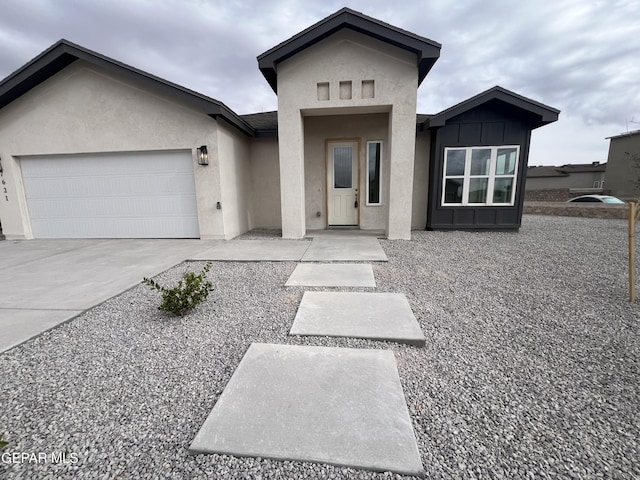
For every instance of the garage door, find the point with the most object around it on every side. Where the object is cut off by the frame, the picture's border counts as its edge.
(123, 195)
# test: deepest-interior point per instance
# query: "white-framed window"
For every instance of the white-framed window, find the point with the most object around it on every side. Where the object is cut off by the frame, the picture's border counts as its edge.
(596, 184)
(477, 176)
(374, 173)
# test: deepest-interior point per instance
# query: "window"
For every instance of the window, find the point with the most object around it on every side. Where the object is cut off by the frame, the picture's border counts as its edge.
(480, 175)
(374, 159)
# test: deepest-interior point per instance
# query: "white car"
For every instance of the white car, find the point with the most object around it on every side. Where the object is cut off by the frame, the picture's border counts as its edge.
(598, 198)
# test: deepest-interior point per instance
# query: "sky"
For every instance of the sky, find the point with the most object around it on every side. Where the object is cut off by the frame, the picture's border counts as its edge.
(581, 57)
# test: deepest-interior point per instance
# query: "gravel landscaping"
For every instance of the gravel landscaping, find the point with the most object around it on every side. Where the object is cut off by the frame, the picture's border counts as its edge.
(530, 370)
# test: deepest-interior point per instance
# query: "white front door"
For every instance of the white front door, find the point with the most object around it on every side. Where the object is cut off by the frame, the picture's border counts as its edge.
(342, 183)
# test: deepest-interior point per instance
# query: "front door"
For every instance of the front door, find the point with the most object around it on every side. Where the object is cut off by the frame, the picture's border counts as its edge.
(342, 183)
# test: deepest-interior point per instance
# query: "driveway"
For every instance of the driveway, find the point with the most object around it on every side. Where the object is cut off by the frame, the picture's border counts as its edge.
(46, 282)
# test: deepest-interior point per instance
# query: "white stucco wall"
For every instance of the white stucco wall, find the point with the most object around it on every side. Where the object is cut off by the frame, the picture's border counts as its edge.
(84, 109)
(421, 181)
(265, 178)
(235, 179)
(348, 56)
(364, 128)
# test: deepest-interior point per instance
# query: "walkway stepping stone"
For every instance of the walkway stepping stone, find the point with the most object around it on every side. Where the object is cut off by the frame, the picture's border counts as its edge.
(341, 406)
(332, 275)
(376, 316)
(344, 248)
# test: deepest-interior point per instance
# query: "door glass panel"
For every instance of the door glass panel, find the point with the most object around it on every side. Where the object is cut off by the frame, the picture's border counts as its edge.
(374, 173)
(342, 167)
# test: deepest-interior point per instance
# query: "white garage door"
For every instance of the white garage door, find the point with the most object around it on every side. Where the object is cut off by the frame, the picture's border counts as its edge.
(115, 195)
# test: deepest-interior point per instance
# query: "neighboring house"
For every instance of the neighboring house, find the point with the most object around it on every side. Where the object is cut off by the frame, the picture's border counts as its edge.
(623, 165)
(577, 176)
(94, 148)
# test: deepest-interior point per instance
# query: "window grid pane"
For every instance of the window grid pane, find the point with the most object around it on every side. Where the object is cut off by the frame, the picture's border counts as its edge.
(502, 189)
(453, 190)
(478, 190)
(506, 161)
(455, 162)
(480, 161)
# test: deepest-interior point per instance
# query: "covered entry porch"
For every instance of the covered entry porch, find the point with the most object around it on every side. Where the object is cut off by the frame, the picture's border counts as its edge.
(353, 175)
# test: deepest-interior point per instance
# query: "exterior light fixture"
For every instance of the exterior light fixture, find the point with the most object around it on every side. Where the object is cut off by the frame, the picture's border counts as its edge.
(1, 165)
(203, 156)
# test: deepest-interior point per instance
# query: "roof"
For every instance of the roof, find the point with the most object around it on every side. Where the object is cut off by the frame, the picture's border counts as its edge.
(265, 124)
(427, 51)
(63, 53)
(566, 170)
(540, 114)
(539, 172)
(627, 134)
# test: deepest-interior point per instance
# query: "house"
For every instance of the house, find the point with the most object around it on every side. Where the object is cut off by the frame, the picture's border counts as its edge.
(623, 165)
(93, 148)
(549, 183)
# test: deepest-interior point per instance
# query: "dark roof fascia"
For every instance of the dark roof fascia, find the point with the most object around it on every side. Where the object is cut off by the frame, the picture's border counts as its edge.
(427, 51)
(544, 113)
(63, 53)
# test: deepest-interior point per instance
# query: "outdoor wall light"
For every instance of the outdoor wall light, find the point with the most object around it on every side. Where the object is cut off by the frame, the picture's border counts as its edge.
(1, 166)
(203, 156)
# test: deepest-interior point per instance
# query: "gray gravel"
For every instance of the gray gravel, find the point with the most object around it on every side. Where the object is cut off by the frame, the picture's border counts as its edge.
(531, 368)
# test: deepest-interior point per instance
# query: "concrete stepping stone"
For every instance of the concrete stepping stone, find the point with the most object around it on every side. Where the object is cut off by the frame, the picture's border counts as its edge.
(344, 248)
(376, 316)
(332, 275)
(341, 406)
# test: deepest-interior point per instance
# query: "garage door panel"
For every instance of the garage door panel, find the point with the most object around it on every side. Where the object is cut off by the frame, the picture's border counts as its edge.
(114, 185)
(120, 207)
(132, 195)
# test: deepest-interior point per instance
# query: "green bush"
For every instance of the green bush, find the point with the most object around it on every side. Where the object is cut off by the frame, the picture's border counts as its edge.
(3, 443)
(191, 291)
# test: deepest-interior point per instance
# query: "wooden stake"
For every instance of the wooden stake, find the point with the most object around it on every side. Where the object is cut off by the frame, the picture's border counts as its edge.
(632, 252)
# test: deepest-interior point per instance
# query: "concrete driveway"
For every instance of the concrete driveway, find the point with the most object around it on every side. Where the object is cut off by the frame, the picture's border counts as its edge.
(45, 282)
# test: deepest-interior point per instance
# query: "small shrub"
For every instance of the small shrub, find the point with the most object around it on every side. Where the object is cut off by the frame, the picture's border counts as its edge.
(3, 443)
(191, 291)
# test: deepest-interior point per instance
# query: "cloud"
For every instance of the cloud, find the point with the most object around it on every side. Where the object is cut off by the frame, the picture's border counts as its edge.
(579, 56)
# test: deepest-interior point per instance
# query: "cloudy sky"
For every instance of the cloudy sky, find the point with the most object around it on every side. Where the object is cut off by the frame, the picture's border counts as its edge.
(580, 56)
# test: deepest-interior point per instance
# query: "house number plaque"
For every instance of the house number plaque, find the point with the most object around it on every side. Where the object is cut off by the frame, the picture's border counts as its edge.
(4, 186)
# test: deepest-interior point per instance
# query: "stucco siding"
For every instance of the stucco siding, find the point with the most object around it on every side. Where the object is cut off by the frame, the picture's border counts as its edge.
(235, 175)
(265, 177)
(575, 180)
(421, 181)
(623, 174)
(84, 109)
(380, 78)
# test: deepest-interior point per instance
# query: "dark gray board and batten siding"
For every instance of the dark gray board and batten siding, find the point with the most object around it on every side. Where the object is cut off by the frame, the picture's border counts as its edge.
(491, 124)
